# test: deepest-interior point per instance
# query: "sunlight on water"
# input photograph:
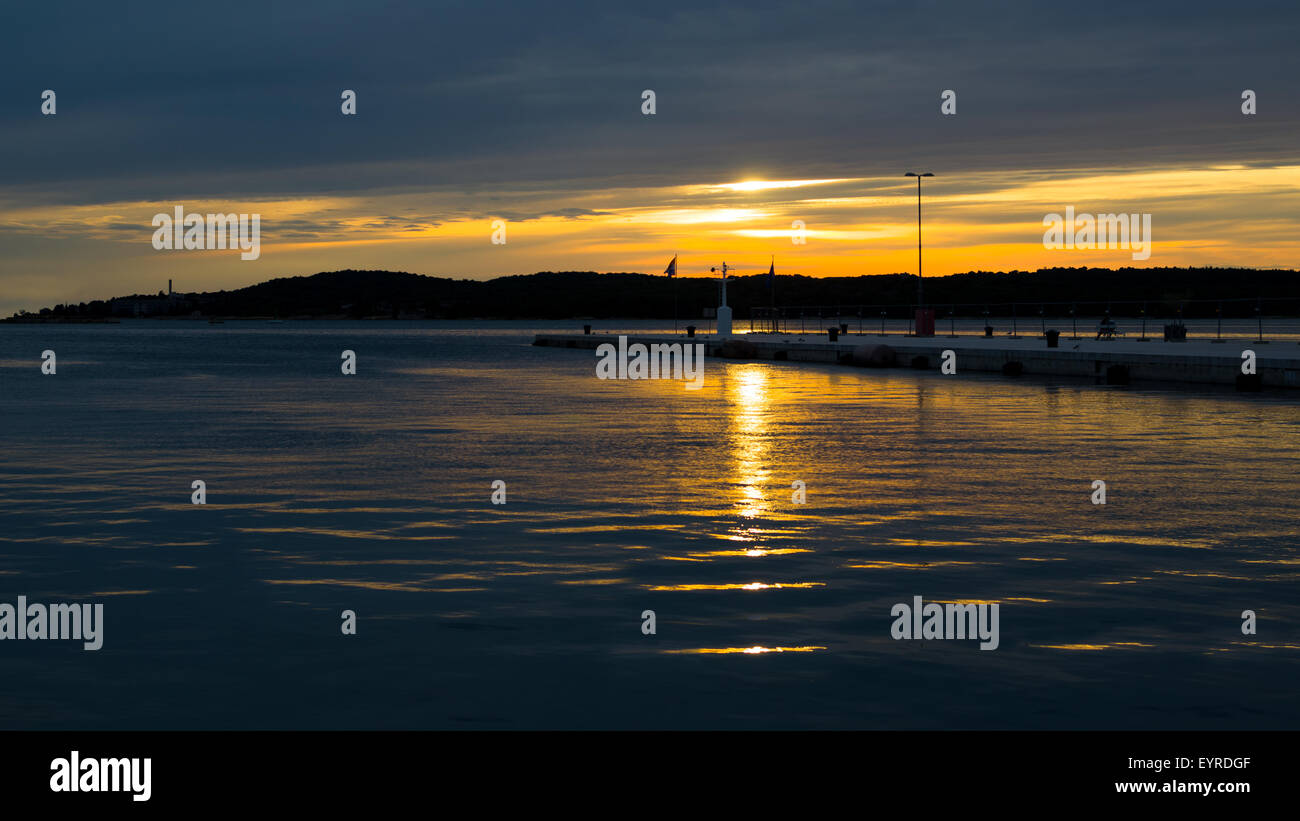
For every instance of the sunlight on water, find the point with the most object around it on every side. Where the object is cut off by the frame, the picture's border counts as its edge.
(372, 493)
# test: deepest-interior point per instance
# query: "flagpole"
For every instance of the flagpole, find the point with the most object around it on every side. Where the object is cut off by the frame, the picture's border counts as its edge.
(771, 289)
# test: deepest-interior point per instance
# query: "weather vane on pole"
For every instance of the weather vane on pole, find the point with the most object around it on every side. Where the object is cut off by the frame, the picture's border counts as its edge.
(724, 270)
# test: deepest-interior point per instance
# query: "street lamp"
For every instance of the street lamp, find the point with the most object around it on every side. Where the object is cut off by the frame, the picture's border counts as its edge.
(920, 301)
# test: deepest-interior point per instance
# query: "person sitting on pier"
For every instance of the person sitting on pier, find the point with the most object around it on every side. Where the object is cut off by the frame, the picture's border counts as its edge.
(1106, 329)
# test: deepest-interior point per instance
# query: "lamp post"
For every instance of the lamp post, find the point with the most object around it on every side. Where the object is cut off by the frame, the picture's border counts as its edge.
(920, 299)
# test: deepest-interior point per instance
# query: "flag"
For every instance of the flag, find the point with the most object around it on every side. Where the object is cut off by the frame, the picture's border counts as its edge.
(671, 270)
(771, 273)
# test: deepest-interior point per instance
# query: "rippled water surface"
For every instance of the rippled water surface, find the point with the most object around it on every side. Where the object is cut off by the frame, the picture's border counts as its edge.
(372, 493)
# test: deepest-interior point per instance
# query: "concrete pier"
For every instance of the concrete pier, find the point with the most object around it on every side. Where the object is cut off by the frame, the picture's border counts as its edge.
(1121, 361)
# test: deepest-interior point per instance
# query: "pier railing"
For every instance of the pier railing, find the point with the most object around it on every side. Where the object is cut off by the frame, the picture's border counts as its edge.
(1258, 318)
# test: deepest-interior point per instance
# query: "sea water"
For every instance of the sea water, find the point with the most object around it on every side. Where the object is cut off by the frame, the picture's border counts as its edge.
(373, 493)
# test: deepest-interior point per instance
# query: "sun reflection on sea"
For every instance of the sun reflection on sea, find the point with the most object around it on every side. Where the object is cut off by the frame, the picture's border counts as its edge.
(747, 398)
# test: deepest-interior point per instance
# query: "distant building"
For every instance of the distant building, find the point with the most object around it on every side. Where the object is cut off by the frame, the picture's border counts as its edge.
(160, 305)
(140, 305)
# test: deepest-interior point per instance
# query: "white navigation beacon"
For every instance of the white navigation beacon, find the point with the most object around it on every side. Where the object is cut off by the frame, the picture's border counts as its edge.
(724, 311)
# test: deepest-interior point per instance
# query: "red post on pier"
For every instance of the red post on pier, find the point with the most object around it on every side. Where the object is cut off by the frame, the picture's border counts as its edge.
(925, 322)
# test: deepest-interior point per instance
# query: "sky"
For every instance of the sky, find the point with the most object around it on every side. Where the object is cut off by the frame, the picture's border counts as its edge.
(765, 114)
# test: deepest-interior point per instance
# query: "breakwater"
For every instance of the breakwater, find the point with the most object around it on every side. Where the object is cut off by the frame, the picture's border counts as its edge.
(1245, 364)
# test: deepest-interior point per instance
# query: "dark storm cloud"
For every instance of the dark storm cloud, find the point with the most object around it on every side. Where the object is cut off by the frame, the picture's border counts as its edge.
(161, 101)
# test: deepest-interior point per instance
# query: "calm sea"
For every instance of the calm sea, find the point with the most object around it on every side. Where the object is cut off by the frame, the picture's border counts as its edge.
(372, 493)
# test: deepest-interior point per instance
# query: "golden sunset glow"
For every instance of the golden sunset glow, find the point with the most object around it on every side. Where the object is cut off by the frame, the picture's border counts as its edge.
(1215, 215)
(767, 185)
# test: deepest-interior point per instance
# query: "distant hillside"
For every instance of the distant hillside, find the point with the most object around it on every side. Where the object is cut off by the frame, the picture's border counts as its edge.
(548, 295)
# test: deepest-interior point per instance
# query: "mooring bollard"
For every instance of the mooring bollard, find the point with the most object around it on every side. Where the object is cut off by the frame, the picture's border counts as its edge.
(833, 333)
(690, 330)
(586, 329)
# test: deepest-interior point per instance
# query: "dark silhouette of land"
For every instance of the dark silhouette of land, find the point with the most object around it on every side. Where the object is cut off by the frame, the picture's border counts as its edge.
(548, 295)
